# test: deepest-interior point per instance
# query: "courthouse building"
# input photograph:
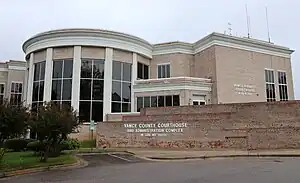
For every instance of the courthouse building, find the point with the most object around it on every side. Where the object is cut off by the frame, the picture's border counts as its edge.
(103, 74)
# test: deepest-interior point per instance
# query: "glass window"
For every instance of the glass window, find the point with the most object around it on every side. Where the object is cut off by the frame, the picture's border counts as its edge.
(139, 103)
(84, 111)
(38, 83)
(85, 89)
(153, 101)
(67, 89)
(270, 85)
(146, 101)
(143, 71)
(56, 90)
(126, 92)
(57, 69)
(62, 81)
(68, 69)
(126, 72)
(283, 90)
(169, 100)
(1, 94)
(98, 89)
(121, 87)
(116, 74)
(163, 71)
(16, 93)
(98, 69)
(86, 69)
(116, 91)
(161, 101)
(91, 89)
(97, 111)
(116, 107)
(176, 100)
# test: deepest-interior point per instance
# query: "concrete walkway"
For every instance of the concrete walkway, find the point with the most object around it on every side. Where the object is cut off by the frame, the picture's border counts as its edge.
(191, 154)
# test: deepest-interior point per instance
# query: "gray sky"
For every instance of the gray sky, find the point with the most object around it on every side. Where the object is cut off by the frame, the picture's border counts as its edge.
(153, 20)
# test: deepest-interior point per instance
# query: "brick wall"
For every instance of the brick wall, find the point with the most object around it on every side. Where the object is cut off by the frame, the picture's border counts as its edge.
(252, 126)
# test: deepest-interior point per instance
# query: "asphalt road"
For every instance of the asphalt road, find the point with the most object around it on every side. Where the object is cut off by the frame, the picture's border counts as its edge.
(109, 169)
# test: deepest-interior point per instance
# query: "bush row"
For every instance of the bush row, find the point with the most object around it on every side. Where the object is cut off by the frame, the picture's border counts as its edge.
(34, 145)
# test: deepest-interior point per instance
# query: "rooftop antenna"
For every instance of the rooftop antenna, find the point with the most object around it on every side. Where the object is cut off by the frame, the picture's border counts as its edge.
(268, 25)
(248, 21)
(229, 28)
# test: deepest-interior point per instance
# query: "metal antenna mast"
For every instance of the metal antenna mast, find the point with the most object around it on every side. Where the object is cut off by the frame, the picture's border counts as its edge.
(248, 21)
(269, 38)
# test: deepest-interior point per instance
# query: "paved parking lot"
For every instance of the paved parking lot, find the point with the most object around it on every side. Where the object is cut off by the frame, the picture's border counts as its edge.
(126, 169)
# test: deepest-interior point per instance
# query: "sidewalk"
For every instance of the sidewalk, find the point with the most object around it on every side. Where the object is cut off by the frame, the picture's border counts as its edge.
(194, 154)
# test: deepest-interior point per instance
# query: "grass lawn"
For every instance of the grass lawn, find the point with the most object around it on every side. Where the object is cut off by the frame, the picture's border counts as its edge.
(23, 160)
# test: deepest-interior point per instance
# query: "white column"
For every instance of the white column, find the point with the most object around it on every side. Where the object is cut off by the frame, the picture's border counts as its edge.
(133, 79)
(107, 82)
(30, 81)
(76, 78)
(48, 75)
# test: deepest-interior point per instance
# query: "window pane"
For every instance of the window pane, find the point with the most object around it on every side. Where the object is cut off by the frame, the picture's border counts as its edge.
(68, 68)
(126, 107)
(115, 107)
(126, 72)
(176, 101)
(153, 101)
(36, 72)
(1, 88)
(116, 91)
(85, 89)
(13, 87)
(167, 71)
(146, 101)
(139, 102)
(97, 111)
(146, 72)
(66, 104)
(163, 71)
(84, 111)
(116, 75)
(98, 70)
(86, 69)
(159, 71)
(140, 71)
(67, 89)
(161, 101)
(281, 78)
(169, 100)
(42, 71)
(35, 92)
(1, 99)
(98, 89)
(41, 91)
(56, 90)
(126, 94)
(57, 69)
(20, 89)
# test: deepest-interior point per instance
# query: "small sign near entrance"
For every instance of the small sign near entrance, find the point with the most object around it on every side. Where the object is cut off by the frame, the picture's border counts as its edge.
(92, 125)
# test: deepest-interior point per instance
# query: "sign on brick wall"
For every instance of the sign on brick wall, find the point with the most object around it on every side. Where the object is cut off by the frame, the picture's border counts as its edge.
(155, 129)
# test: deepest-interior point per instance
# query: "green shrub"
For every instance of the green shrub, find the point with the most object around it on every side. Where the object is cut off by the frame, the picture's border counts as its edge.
(88, 143)
(35, 146)
(70, 144)
(17, 145)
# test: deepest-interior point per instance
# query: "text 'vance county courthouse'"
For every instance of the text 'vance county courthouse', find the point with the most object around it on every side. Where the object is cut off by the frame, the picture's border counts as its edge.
(104, 73)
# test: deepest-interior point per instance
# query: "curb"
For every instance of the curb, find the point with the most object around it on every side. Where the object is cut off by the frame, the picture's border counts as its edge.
(222, 156)
(97, 153)
(80, 163)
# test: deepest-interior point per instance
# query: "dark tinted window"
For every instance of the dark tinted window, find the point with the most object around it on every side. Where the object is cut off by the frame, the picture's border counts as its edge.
(146, 101)
(169, 100)
(57, 69)
(85, 89)
(56, 90)
(126, 72)
(116, 75)
(67, 89)
(68, 68)
(116, 91)
(84, 110)
(86, 69)
(98, 90)
(98, 70)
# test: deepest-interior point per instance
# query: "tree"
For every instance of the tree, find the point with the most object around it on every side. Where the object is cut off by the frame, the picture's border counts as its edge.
(53, 123)
(13, 122)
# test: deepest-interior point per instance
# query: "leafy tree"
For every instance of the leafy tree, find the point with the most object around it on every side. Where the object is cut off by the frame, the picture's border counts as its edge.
(53, 123)
(13, 122)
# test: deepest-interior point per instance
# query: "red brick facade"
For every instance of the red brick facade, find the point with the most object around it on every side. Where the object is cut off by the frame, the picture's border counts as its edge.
(223, 126)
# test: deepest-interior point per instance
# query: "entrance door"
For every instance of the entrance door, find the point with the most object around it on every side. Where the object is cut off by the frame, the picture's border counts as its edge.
(198, 102)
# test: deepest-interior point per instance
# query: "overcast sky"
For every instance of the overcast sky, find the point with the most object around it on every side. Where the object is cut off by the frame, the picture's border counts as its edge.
(153, 20)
